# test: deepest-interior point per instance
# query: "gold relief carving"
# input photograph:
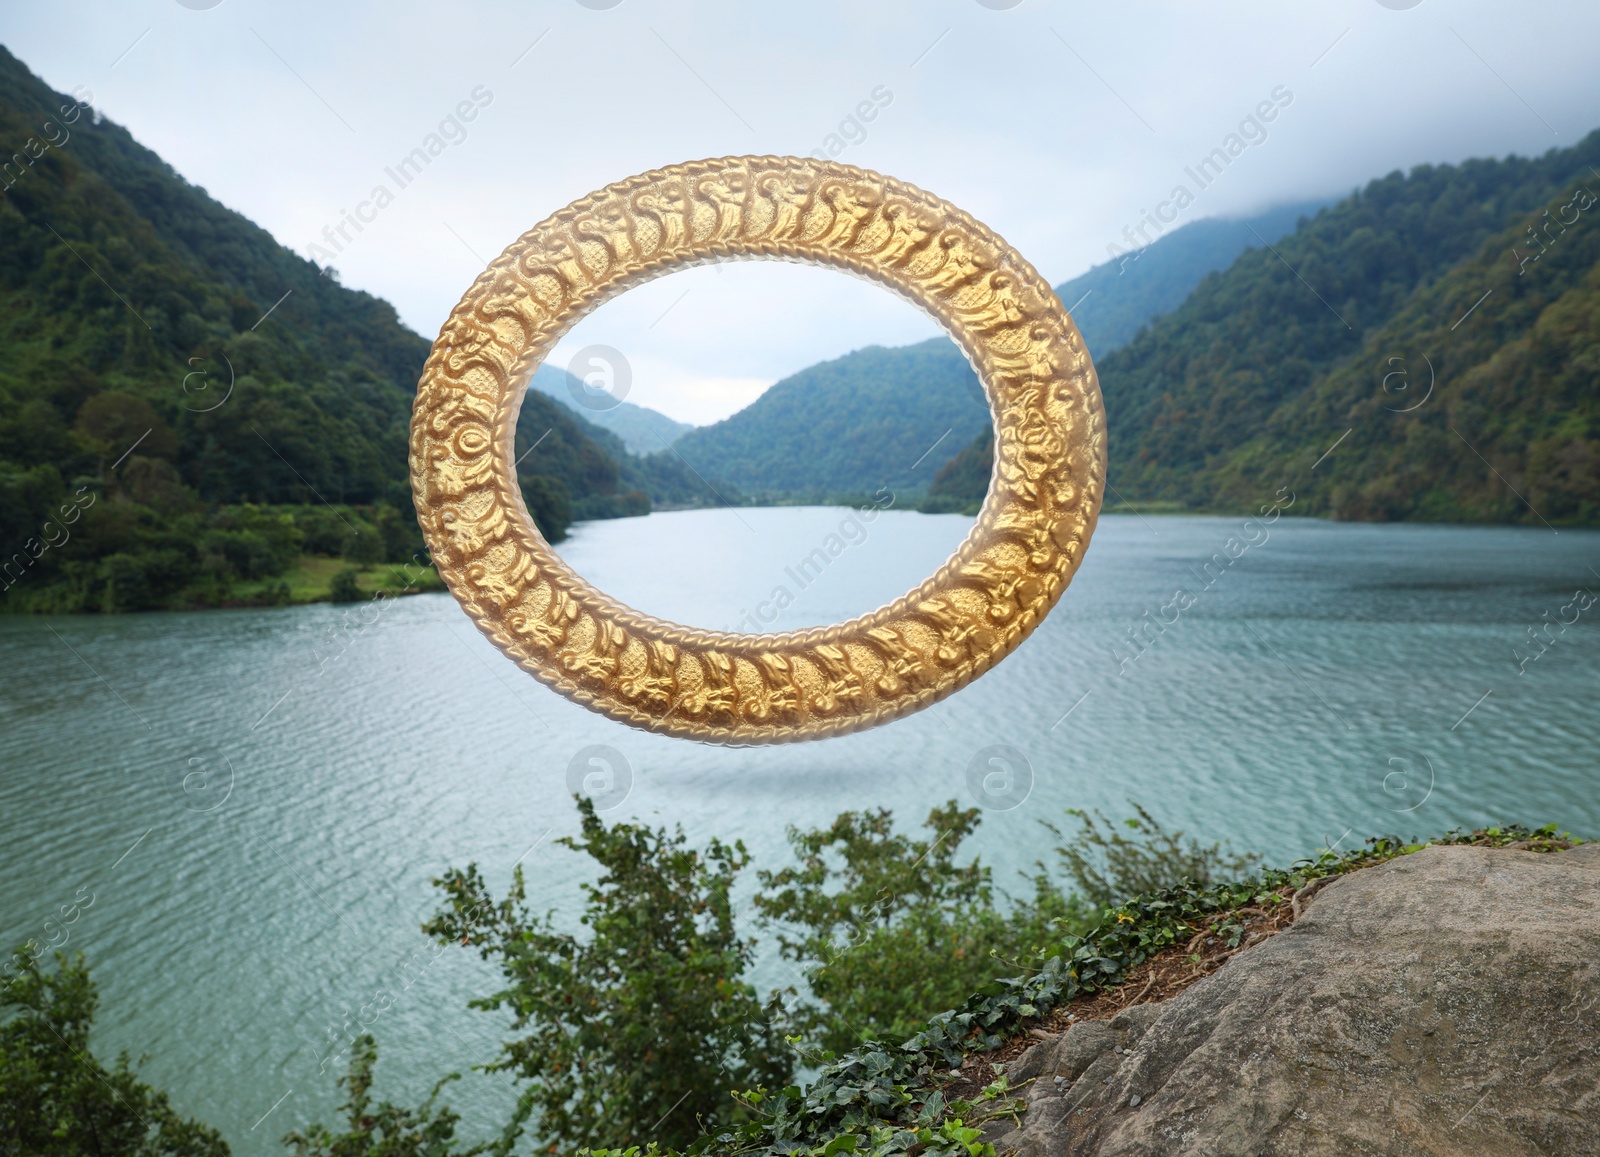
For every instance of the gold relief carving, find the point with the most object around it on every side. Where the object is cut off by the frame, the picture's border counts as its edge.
(747, 689)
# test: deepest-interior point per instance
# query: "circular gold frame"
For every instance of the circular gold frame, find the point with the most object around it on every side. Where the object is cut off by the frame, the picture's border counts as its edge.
(1044, 496)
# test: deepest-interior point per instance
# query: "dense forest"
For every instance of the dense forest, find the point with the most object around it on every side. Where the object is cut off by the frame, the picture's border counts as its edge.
(1433, 334)
(875, 417)
(191, 414)
(963, 482)
(868, 419)
(1115, 300)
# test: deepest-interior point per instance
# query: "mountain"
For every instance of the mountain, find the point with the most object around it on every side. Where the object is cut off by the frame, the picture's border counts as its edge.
(571, 470)
(1110, 302)
(185, 405)
(1318, 349)
(871, 418)
(642, 430)
(963, 482)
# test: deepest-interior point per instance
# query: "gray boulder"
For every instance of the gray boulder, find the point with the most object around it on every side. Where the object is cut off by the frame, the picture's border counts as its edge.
(1445, 1002)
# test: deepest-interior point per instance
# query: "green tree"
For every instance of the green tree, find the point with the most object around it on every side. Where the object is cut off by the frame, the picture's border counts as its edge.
(363, 546)
(549, 503)
(639, 1031)
(57, 1099)
(343, 588)
(892, 929)
(387, 1130)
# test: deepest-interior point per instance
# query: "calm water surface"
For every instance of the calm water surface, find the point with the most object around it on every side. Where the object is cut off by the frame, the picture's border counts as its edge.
(258, 813)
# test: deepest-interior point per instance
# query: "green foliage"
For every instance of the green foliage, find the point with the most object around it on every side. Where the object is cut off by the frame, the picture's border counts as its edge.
(649, 1013)
(222, 370)
(56, 1098)
(881, 1099)
(549, 504)
(387, 1130)
(963, 482)
(1109, 867)
(105, 552)
(891, 929)
(1114, 301)
(1258, 373)
(866, 420)
(847, 426)
(342, 588)
(640, 1030)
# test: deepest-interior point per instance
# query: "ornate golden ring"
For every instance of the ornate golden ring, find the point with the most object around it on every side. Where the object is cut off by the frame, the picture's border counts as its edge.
(1029, 538)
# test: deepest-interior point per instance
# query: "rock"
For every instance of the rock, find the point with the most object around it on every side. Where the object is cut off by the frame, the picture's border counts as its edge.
(1445, 1002)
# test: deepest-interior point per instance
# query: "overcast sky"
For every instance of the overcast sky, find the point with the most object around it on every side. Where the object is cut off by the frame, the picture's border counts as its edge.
(1057, 124)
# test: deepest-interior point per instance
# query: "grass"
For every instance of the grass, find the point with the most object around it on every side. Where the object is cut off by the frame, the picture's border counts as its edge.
(311, 578)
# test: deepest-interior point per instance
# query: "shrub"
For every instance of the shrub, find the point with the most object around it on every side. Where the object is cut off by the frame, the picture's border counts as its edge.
(145, 581)
(892, 929)
(362, 546)
(56, 1098)
(384, 1131)
(322, 529)
(343, 587)
(638, 1031)
(1109, 867)
(401, 536)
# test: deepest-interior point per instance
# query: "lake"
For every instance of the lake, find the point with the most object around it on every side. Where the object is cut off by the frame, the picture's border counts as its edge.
(257, 808)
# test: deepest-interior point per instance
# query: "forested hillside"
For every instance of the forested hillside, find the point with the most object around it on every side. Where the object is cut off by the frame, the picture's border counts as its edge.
(641, 429)
(166, 362)
(875, 417)
(1113, 301)
(1327, 339)
(963, 482)
(865, 420)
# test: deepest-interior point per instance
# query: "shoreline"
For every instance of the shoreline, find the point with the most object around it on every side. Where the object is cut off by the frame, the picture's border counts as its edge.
(310, 580)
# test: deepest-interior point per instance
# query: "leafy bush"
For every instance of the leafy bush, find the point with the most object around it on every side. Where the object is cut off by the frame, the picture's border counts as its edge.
(639, 1031)
(385, 1131)
(882, 1099)
(323, 529)
(56, 1098)
(362, 546)
(1109, 867)
(892, 930)
(342, 588)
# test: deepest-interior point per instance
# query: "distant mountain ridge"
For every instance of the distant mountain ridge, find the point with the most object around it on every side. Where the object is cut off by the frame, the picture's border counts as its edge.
(641, 429)
(1111, 302)
(894, 416)
(1426, 348)
(875, 417)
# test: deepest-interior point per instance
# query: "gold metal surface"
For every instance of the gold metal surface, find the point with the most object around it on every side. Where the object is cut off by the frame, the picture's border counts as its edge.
(1050, 452)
